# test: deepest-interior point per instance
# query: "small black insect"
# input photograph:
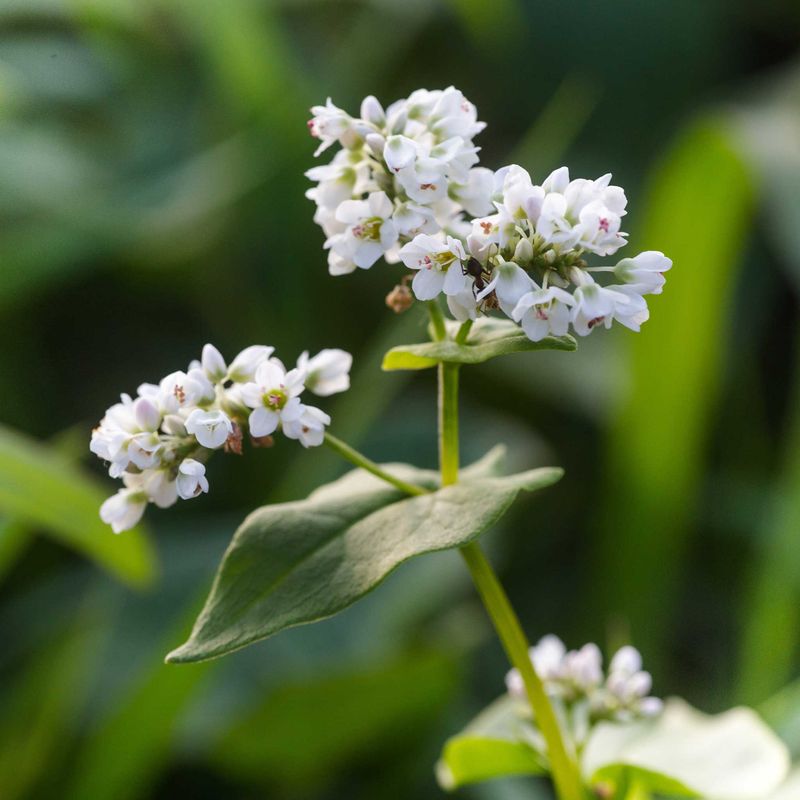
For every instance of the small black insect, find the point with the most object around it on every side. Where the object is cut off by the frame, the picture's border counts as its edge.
(473, 267)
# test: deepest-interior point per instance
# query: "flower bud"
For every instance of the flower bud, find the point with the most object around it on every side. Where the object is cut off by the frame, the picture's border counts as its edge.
(213, 363)
(376, 143)
(400, 299)
(372, 111)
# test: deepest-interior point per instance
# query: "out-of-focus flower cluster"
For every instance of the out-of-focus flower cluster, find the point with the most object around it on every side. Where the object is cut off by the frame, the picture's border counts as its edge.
(584, 693)
(158, 442)
(406, 187)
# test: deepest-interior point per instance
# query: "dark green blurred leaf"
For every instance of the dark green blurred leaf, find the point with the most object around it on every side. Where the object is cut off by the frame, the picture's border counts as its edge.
(304, 732)
(295, 563)
(496, 744)
(488, 338)
(41, 487)
(127, 750)
(43, 703)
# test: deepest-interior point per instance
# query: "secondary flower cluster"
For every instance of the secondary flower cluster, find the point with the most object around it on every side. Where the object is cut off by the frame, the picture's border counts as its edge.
(529, 258)
(157, 442)
(403, 171)
(404, 185)
(576, 679)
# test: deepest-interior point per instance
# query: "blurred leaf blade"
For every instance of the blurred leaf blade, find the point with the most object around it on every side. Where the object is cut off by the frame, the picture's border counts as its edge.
(677, 363)
(338, 719)
(41, 487)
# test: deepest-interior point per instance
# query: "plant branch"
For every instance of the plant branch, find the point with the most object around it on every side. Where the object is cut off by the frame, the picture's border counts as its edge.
(360, 460)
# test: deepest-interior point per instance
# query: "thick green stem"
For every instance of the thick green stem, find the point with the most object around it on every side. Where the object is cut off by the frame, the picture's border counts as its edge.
(448, 422)
(437, 320)
(360, 460)
(566, 776)
(505, 621)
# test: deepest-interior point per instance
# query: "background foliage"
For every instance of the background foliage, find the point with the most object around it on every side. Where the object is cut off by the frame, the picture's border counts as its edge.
(151, 194)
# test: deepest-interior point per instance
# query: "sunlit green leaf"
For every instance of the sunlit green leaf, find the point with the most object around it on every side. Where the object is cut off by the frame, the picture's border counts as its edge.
(496, 744)
(684, 753)
(659, 435)
(488, 338)
(39, 486)
(294, 563)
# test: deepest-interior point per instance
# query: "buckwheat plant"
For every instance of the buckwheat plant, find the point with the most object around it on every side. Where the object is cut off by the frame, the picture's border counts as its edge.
(522, 266)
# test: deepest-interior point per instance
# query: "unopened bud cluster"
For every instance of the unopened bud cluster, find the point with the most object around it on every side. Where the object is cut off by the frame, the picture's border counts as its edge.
(159, 441)
(587, 694)
(406, 187)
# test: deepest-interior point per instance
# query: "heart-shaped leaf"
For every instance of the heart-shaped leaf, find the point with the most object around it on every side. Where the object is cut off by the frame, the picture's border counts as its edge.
(684, 753)
(294, 563)
(489, 338)
(496, 744)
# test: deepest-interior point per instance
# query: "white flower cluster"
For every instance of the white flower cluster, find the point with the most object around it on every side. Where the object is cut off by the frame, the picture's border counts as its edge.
(406, 180)
(157, 442)
(576, 679)
(403, 171)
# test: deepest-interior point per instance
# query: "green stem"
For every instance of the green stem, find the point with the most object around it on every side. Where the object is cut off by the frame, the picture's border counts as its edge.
(360, 460)
(437, 320)
(463, 331)
(448, 422)
(566, 776)
(562, 766)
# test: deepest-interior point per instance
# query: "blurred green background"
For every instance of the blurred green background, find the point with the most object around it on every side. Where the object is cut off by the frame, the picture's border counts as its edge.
(151, 191)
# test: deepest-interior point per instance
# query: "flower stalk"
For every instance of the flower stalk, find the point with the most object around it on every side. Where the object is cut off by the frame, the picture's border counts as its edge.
(360, 460)
(563, 766)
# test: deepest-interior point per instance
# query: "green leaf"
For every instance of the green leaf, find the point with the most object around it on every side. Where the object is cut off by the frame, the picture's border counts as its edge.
(488, 338)
(675, 367)
(332, 721)
(496, 744)
(40, 486)
(295, 563)
(684, 753)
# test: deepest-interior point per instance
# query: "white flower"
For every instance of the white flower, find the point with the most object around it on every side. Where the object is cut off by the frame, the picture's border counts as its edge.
(548, 657)
(454, 115)
(645, 272)
(181, 390)
(399, 152)
(476, 194)
(464, 305)
(124, 509)
(369, 234)
(593, 304)
(305, 423)
(272, 395)
(244, 366)
(329, 124)
(191, 479)
(521, 199)
(543, 312)
(632, 314)
(210, 428)
(584, 667)
(509, 283)
(424, 180)
(158, 485)
(438, 264)
(327, 373)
